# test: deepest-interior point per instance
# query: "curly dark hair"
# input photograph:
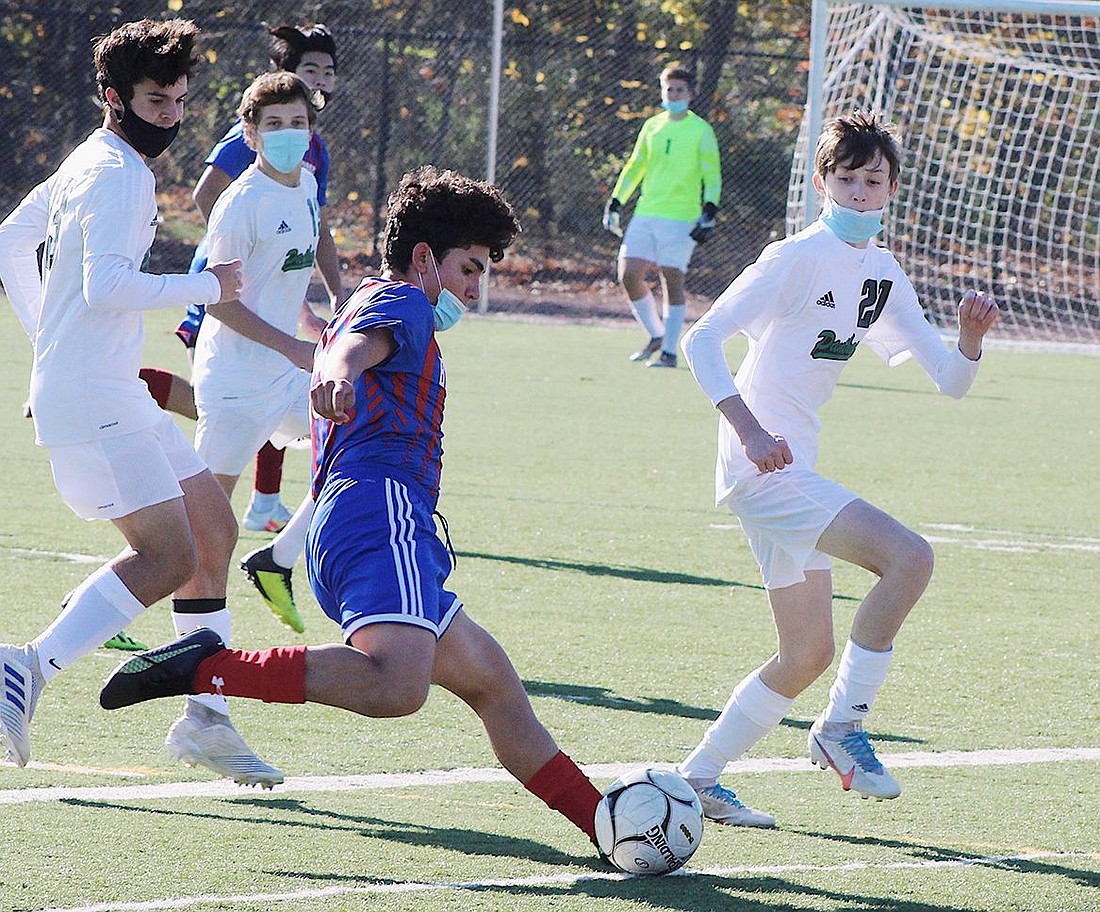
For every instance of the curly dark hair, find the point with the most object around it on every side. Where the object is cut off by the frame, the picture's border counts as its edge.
(446, 210)
(290, 42)
(854, 139)
(157, 49)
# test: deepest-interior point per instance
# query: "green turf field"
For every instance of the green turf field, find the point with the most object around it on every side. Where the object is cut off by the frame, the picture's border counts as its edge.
(578, 490)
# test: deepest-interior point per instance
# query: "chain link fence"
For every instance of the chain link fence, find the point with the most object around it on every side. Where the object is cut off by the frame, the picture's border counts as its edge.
(577, 79)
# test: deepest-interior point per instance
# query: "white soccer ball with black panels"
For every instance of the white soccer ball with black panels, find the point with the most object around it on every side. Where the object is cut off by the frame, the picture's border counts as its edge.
(649, 821)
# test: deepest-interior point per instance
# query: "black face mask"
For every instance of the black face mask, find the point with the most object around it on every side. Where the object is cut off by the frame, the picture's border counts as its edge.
(149, 139)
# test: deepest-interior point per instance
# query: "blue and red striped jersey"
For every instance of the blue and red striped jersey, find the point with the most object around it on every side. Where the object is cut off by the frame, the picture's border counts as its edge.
(397, 420)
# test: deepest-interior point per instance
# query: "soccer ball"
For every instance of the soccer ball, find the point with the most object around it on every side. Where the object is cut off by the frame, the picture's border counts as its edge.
(649, 821)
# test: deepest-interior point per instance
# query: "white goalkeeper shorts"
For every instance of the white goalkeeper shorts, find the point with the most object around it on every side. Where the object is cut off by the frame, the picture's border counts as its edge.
(783, 514)
(666, 242)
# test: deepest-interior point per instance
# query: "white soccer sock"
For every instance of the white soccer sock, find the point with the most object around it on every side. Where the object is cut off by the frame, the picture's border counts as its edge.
(752, 711)
(221, 623)
(289, 544)
(99, 608)
(859, 678)
(262, 503)
(674, 323)
(645, 312)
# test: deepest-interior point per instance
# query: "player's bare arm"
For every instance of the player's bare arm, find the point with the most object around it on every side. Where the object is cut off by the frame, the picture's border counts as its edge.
(229, 278)
(240, 319)
(211, 185)
(977, 314)
(332, 394)
(310, 323)
(768, 452)
(328, 262)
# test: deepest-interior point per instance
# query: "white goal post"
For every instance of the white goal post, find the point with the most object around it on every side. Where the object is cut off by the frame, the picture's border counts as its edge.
(998, 104)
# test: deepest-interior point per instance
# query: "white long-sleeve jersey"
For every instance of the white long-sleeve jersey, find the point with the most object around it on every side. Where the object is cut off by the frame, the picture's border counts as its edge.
(97, 215)
(805, 305)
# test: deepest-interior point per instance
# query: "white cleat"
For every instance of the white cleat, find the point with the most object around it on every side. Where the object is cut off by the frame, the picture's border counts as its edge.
(271, 520)
(20, 685)
(204, 737)
(723, 806)
(845, 747)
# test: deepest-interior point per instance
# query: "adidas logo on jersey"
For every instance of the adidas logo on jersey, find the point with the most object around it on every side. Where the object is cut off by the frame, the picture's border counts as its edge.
(826, 300)
(283, 228)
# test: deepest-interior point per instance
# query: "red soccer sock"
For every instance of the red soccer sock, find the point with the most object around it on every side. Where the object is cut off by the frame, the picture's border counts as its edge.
(562, 785)
(269, 469)
(159, 383)
(275, 675)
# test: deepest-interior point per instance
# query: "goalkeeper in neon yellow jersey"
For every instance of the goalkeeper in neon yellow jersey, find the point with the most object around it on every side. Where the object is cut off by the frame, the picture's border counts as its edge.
(676, 162)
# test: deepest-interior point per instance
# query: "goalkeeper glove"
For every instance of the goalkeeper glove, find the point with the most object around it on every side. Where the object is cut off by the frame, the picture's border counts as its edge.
(706, 224)
(612, 218)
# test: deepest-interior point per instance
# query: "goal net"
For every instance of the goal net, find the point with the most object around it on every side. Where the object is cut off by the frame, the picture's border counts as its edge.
(999, 112)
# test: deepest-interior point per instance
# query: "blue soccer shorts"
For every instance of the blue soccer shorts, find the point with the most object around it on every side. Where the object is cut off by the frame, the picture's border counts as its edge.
(373, 556)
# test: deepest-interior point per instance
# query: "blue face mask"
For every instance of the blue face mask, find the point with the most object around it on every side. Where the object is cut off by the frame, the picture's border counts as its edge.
(851, 226)
(448, 309)
(674, 107)
(284, 149)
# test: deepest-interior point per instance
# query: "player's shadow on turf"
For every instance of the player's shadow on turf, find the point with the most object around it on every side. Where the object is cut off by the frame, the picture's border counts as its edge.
(718, 893)
(605, 699)
(466, 842)
(933, 853)
(640, 574)
(462, 841)
(1048, 866)
(874, 387)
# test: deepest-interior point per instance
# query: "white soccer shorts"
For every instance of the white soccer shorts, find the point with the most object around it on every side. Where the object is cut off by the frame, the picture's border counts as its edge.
(116, 476)
(230, 431)
(783, 514)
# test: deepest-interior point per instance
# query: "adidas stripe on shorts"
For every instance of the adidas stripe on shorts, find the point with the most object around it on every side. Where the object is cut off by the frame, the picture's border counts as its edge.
(373, 556)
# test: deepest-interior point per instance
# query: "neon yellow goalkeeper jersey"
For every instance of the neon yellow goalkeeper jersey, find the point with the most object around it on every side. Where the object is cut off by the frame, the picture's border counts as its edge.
(677, 164)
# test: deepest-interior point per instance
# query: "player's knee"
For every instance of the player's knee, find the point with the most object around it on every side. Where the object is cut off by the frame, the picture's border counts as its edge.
(916, 561)
(386, 688)
(807, 661)
(402, 699)
(178, 565)
(218, 535)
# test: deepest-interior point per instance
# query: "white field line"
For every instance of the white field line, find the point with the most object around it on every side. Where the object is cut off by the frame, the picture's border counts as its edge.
(1008, 540)
(59, 555)
(551, 880)
(221, 788)
(991, 539)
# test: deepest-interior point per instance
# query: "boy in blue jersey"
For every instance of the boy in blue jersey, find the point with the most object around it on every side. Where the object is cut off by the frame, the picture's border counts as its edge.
(375, 562)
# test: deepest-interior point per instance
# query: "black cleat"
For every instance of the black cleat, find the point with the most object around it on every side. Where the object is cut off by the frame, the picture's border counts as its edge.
(651, 348)
(167, 671)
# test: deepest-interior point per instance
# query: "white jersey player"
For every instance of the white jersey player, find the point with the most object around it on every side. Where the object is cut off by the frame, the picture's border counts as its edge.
(114, 454)
(251, 373)
(806, 304)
